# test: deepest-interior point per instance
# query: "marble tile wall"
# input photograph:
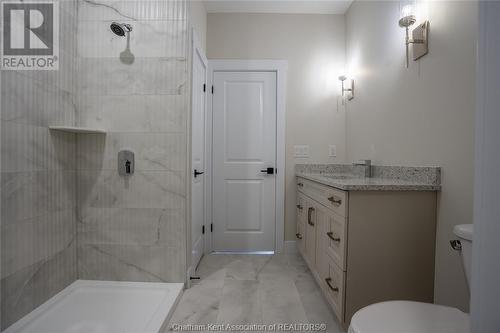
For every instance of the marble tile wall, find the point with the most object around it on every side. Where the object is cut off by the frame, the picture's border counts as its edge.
(133, 228)
(38, 180)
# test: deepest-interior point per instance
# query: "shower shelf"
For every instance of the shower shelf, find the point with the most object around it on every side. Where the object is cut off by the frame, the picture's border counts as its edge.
(79, 130)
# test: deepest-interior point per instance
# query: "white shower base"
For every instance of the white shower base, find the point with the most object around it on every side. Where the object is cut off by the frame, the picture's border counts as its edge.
(104, 307)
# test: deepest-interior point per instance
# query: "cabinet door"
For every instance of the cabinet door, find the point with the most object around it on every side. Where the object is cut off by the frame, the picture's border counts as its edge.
(334, 237)
(301, 223)
(311, 227)
(322, 258)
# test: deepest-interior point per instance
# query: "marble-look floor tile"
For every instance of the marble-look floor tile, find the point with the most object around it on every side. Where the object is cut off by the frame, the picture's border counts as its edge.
(246, 289)
(241, 270)
(315, 305)
(199, 304)
(281, 302)
(240, 303)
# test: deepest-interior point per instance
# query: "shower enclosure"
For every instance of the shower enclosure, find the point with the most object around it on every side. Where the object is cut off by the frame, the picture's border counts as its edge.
(67, 214)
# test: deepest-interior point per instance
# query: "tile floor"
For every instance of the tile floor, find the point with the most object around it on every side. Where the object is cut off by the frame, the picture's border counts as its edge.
(252, 289)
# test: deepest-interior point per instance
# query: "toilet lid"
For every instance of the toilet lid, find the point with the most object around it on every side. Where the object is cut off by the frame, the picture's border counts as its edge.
(409, 317)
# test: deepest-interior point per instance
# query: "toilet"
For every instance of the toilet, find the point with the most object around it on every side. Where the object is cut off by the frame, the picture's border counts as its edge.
(417, 317)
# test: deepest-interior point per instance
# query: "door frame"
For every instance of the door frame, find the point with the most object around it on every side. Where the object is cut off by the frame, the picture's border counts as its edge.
(237, 65)
(196, 51)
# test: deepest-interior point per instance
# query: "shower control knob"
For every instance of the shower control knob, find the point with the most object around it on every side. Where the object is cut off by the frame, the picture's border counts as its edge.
(126, 163)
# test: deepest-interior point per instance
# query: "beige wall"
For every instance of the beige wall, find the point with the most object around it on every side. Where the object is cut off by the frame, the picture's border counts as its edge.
(314, 47)
(199, 21)
(423, 115)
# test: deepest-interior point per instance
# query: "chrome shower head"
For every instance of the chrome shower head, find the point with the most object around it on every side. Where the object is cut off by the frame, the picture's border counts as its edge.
(120, 29)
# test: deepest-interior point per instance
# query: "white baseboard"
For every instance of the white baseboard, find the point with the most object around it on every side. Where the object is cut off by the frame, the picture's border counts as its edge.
(290, 247)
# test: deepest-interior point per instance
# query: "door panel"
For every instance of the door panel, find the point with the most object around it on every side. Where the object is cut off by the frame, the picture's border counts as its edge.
(244, 143)
(198, 159)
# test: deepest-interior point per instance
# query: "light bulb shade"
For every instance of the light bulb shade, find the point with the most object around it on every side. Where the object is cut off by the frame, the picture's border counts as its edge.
(407, 8)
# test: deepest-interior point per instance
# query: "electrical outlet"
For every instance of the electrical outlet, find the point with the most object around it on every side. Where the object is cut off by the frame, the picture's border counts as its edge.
(301, 151)
(332, 150)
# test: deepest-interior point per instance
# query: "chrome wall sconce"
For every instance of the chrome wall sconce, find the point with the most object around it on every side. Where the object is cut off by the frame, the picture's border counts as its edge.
(350, 90)
(420, 35)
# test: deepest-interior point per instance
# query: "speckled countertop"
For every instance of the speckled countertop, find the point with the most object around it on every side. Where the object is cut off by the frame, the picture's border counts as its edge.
(385, 178)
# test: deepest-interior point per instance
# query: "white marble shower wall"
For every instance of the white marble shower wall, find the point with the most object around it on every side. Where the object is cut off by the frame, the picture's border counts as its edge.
(38, 180)
(133, 228)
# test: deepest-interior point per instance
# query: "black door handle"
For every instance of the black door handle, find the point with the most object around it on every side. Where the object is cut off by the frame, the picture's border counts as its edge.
(269, 171)
(197, 173)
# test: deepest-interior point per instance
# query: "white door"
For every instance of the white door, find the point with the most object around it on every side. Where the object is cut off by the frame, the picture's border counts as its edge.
(198, 157)
(244, 146)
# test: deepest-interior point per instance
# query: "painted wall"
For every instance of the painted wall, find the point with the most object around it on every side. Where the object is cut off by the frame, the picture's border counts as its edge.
(423, 115)
(314, 47)
(199, 21)
(38, 197)
(133, 228)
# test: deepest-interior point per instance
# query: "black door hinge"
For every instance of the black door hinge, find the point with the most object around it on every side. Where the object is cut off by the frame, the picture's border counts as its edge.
(204, 87)
(211, 227)
(203, 230)
(212, 90)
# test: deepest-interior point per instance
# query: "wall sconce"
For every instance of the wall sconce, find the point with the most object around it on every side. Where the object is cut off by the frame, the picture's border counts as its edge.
(342, 78)
(420, 35)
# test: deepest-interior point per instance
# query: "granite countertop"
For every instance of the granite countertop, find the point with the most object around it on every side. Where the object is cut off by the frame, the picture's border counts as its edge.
(385, 178)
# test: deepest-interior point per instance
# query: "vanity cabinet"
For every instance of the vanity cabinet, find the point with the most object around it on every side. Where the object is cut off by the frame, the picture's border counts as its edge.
(365, 247)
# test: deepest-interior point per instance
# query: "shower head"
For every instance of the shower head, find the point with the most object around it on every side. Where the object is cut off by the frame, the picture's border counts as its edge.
(120, 29)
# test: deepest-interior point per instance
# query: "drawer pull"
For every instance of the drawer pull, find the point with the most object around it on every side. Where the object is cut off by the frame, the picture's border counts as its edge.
(335, 239)
(328, 282)
(300, 184)
(299, 236)
(299, 207)
(309, 213)
(335, 201)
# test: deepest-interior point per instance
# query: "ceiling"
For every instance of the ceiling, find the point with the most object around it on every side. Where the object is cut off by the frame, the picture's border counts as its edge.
(278, 6)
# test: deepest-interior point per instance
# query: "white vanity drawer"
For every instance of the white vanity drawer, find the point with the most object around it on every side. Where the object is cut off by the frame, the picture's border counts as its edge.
(332, 283)
(332, 198)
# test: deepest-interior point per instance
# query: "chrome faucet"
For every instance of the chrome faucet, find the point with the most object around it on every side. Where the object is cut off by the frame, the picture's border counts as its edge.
(368, 167)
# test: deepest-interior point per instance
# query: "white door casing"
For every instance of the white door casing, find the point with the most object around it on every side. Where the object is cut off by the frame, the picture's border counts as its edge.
(199, 74)
(244, 144)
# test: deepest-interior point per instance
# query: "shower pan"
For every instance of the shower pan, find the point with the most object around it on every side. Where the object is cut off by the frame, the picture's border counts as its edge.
(87, 247)
(104, 306)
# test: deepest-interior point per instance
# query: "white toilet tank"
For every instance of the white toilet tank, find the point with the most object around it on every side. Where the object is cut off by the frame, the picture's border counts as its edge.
(464, 233)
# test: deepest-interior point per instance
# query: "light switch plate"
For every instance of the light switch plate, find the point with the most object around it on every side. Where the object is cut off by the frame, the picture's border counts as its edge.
(301, 151)
(332, 150)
